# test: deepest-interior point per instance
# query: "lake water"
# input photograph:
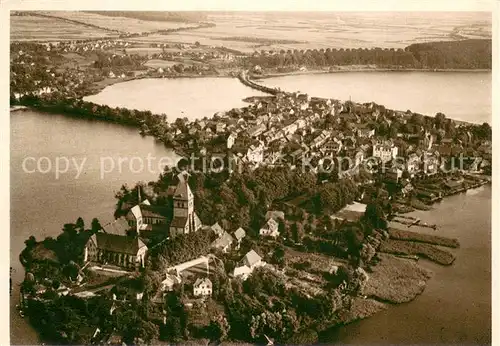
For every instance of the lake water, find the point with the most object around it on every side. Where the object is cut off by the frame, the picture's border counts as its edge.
(455, 306)
(41, 203)
(192, 98)
(463, 96)
(459, 95)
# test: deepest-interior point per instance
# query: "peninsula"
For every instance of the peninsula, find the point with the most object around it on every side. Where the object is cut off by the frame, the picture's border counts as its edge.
(293, 220)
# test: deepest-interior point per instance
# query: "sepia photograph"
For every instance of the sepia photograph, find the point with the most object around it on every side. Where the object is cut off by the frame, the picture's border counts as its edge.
(257, 177)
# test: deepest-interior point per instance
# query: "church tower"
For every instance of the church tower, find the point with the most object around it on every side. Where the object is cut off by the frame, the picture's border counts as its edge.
(183, 197)
(185, 219)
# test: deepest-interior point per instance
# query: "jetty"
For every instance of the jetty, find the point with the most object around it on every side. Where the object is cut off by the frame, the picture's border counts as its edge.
(410, 221)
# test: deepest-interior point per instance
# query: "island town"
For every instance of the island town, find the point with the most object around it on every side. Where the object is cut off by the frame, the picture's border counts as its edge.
(298, 226)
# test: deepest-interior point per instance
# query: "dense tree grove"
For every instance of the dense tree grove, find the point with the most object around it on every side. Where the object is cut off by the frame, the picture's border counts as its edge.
(466, 54)
(242, 199)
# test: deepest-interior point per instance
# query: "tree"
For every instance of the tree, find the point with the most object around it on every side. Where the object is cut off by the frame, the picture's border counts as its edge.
(279, 255)
(297, 232)
(329, 197)
(219, 328)
(30, 242)
(80, 225)
(147, 331)
(439, 120)
(375, 215)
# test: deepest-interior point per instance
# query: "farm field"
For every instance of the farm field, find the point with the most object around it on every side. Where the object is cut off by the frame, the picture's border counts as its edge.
(122, 24)
(251, 31)
(333, 30)
(34, 28)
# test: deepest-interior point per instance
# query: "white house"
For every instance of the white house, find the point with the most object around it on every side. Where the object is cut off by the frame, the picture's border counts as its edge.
(239, 234)
(255, 154)
(270, 228)
(224, 242)
(202, 287)
(170, 281)
(249, 262)
(230, 140)
(386, 151)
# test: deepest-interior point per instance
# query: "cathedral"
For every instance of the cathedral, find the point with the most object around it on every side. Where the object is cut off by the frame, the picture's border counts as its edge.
(184, 219)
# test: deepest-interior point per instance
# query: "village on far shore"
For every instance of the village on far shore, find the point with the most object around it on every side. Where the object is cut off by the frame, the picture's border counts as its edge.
(300, 227)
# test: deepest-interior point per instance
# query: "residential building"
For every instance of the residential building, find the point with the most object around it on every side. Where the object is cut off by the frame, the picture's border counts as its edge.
(385, 151)
(252, 259)
(255, 154)
(249, 262)
(332, 146)
(239, 234)
(119, 250)
(320, 139)
(363, 131)
(230, 140)
(202, 287)
(170, 281)
(275, 214)
(218, 230)
(413, 164)
(393, 175)
(256, 131)
(430, 164)
(220, 127)
(223, 243)
(270, 228)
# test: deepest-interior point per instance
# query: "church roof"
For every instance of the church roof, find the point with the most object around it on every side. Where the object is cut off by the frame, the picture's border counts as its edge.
(154, 211)
(119, 226)
(182, 191)
(118, 243)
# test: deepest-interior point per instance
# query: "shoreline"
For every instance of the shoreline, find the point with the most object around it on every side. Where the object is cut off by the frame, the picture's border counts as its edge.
(364, 69)
(95, 89)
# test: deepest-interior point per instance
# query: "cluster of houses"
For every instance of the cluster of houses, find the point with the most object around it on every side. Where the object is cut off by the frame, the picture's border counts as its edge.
(82, 46)
(192, 52)
(294, 129)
